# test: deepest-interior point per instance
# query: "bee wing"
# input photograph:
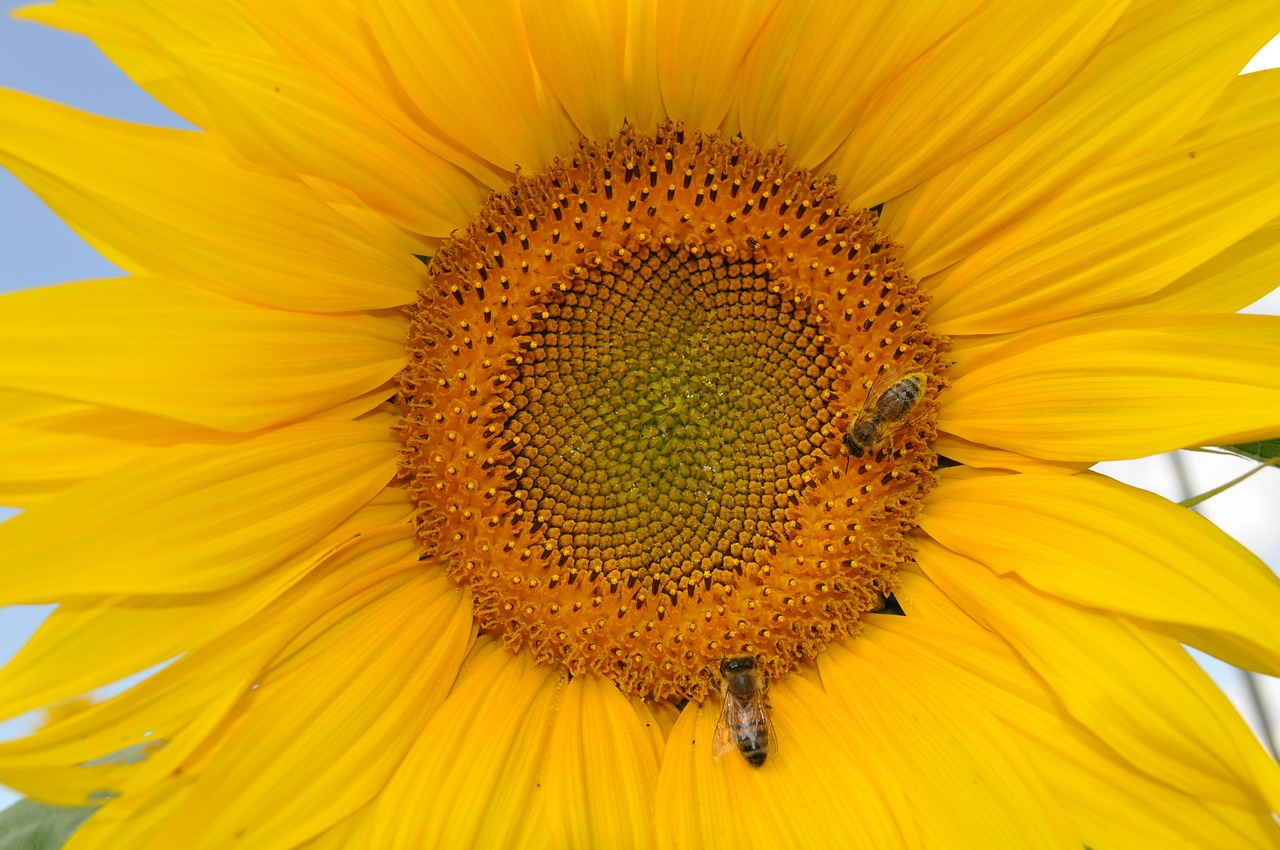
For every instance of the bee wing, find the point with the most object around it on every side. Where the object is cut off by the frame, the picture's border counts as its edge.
(916, 412)
(722, 739)
(881, 382)
(756, 711)
(773, 734)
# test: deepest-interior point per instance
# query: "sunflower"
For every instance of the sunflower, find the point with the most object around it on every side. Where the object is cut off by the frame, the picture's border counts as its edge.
(514, 411)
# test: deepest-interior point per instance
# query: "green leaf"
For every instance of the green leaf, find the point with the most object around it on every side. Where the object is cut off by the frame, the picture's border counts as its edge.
(28, 825)
(1263, 450)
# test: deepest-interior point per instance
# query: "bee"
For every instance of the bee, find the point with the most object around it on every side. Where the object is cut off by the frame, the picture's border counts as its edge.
(744, 722)
(883, 411)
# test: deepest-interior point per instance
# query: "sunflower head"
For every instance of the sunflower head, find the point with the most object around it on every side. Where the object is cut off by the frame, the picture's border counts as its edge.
(631, 384)
(490, 387)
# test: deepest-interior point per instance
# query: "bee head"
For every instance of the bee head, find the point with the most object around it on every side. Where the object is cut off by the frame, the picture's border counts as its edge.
(737, 664)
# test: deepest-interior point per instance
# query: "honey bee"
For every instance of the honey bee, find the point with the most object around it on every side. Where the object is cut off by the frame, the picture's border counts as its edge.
(744, 722)
(883, 411)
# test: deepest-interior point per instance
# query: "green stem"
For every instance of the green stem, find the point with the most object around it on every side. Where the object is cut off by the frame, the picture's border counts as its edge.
(1209, 494)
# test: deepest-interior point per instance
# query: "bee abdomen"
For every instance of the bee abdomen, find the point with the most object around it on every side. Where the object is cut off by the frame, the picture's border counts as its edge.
(753, 743)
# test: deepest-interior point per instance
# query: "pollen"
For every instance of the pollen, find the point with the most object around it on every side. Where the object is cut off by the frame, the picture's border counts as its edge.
(625, 412)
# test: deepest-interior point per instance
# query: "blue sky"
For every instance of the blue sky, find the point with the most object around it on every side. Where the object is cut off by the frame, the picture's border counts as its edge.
(39, 250)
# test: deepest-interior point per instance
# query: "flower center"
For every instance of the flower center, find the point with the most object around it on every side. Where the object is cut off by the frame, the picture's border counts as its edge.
(666, 403)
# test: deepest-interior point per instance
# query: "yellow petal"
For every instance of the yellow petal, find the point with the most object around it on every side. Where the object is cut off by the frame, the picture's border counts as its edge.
(162, 718)
(470, 779)
(139, 37)
(128, 823)
(807, 80)
(168, 202)
(1164, 65)
(961, 93)
(195, 519)
(970, 785)
(920, 597)
(89, 642)
(1099, 543)
(818, 789)
(600, 770)
(48, 444)
(701, 49)
(172, 714)
(1141, 694)
(1106, 388)
(979, 456)
(1125, 232)
(335, 38)
(288, 117)
(320, 740)
(161, 347)
(343, 835)
(643, 90)
(1247, 270)
(665, 714)
(470, 74)
(579, 47)
(351, 832)
(1109, 803)
(968, 352)
(1228, 281)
